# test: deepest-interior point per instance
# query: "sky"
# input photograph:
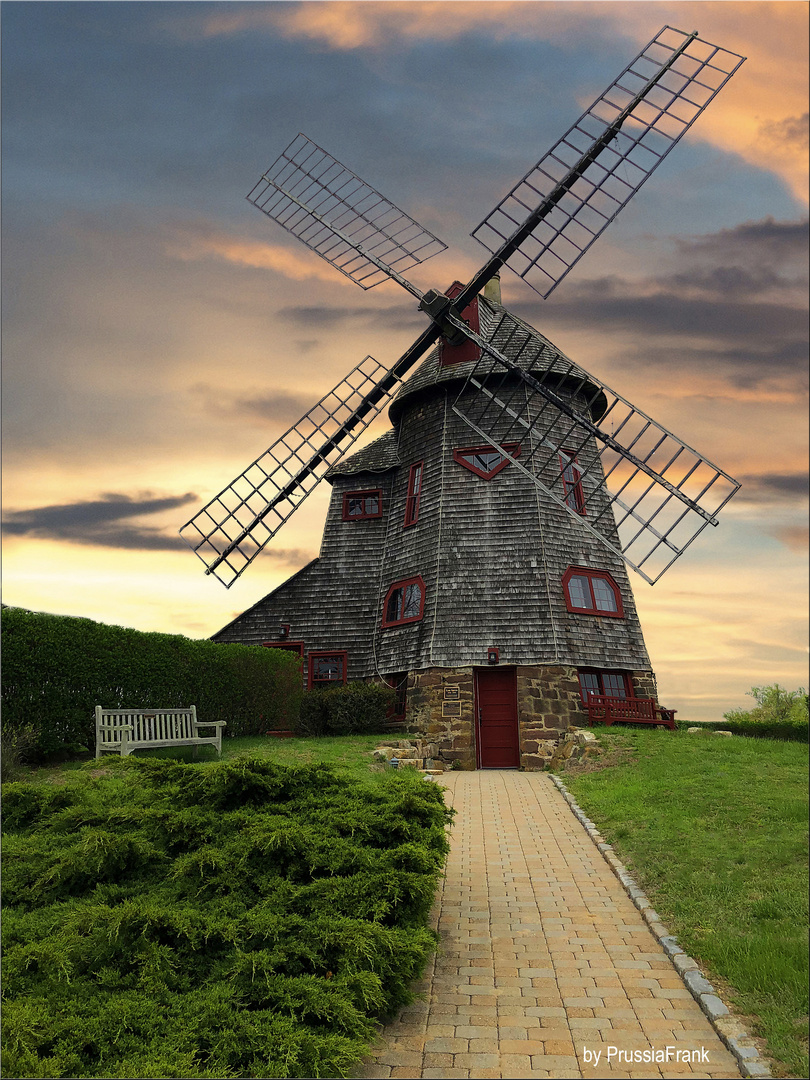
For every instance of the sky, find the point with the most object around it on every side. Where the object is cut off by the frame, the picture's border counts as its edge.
(159, 333)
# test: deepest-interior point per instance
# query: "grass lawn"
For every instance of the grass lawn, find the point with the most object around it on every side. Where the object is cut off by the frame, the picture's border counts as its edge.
(715, 831)
(349, 754)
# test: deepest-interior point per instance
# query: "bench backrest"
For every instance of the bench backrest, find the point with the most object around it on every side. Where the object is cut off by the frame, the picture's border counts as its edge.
(621, 708)
(149, 725)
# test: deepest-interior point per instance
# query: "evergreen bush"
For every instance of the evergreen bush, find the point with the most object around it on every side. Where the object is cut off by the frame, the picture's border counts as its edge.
(56, 669)
(223, 920)
(345, 710)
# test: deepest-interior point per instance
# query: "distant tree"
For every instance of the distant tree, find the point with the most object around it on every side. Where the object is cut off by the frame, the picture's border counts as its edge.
(774, 703)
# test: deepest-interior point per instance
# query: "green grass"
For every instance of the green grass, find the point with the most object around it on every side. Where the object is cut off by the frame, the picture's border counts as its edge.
(715, 831)
(350, 755)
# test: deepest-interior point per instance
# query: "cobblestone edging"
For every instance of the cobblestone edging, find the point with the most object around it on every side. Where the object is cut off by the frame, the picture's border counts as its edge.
(731, 1031)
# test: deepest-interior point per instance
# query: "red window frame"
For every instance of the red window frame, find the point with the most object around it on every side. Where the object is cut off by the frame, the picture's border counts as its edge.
(399, 683)
(403, 586)
(572, 485)
(591, 576)
(601, 688)
(373, 493)
(313, 682)
(485, 474)
(288, 646)
(416, 478)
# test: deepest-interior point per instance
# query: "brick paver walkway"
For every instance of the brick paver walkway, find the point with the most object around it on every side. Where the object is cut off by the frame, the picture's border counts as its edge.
(544, 961)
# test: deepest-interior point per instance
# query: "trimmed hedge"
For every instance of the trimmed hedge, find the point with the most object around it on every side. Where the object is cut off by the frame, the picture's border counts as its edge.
(57, 668)
(345, 710)
(234, 919)
(786, 730)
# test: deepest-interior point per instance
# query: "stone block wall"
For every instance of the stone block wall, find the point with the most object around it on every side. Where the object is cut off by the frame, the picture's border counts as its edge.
(449, 723)
(548, 704)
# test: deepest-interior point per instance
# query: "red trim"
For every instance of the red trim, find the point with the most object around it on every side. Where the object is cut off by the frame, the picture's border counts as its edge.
(467, 351)
(374, 493)
(288, 646)
(313, 656)
(416, 481)
(510, 448)
(573, 493)
(591, 576)
(403, 585)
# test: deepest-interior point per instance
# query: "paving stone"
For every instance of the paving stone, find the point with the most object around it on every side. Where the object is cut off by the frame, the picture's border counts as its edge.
(543, 954)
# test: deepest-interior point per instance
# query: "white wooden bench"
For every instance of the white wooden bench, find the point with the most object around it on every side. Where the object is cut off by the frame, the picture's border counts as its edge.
(125, 730)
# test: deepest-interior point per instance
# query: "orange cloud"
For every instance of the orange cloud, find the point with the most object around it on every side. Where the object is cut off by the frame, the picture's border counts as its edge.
(188, 244)
(761, 115)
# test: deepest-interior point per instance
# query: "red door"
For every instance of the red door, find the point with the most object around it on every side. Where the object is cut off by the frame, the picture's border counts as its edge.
(496, 700)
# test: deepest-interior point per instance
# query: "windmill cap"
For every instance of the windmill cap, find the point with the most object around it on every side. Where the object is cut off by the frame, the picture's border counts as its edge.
(547, 358)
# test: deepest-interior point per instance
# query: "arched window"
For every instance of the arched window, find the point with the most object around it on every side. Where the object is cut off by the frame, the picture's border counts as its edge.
(592, 592)
(404, 602)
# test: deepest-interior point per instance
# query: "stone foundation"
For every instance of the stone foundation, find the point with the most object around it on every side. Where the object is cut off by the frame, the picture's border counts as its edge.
(441, 710)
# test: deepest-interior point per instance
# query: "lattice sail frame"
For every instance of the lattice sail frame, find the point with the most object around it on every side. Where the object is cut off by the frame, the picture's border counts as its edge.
(608, 182)
(341, 217)
(648, 495)
(230, 531)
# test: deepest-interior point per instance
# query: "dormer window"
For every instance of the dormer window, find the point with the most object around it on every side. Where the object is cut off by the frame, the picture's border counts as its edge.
(362, 505)
(592, 592)
(486, 461)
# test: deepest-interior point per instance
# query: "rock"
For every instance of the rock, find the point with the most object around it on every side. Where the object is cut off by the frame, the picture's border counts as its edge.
(693, 730)
(584, 738)
(727, 734)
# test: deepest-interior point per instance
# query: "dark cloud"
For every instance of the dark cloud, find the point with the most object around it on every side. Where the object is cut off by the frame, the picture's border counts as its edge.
(99, 522)
(752, 241)
(775, 487)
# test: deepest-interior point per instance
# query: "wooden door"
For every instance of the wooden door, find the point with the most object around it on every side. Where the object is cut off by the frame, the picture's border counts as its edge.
(496, 703)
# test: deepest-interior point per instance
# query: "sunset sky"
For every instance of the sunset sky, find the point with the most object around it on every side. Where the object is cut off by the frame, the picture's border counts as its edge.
(159, 333)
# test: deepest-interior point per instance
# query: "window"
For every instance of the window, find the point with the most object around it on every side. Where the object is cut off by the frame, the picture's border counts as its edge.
(485, 461)
(361, 505)
(399, 683)
(414, 494)
(466, 351)
(404, 602)
(615, 684)
(327, 669)
(592, 592)
(572, 481)
(290, 646)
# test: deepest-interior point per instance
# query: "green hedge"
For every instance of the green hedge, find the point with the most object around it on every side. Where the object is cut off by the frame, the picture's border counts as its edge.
(787, 730)
(345, 710)
(56, 669)
(234, 919)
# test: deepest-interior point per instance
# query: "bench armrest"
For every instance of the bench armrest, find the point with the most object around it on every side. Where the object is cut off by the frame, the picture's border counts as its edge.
(211, 723)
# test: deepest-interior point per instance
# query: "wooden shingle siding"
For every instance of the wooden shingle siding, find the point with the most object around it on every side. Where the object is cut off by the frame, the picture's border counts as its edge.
(492, 553)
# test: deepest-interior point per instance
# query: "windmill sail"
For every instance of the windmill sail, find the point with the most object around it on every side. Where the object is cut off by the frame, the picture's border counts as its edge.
(341, 217)
(231, 530)
(573, 193)
(648, 495)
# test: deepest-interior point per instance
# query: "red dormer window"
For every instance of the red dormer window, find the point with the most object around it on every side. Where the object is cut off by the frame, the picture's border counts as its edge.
(362, 505)
(592, 592)
(468, 351)
(485, 461)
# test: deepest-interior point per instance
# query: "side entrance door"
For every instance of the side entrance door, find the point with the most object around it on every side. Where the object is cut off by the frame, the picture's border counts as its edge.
(496, 706)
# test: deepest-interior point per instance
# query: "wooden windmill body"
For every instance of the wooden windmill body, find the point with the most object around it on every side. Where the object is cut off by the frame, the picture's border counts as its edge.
(474, 555)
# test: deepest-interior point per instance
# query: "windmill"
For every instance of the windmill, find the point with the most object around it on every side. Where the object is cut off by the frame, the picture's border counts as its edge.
(608, 475)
